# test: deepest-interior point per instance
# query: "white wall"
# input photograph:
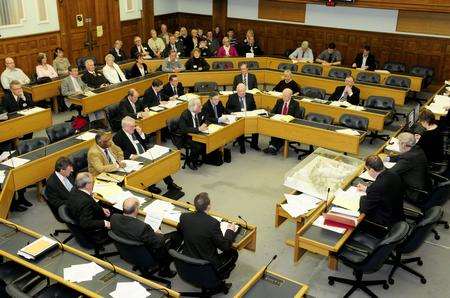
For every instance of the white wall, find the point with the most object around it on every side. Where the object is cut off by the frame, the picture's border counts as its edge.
(247, 9)
(188, 6)
(165, 6)
(130, 15)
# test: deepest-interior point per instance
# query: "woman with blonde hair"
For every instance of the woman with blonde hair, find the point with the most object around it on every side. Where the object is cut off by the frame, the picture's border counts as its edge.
(197, 62)
(112, 71)
(302, 53)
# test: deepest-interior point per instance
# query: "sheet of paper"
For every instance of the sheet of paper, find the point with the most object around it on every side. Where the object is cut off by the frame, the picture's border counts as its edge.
(284, 118)
(212, 128)
(2, 176)
(229, 119)
(154, 218)
(365, 175)
(30, 111)
(299, 204)
(32, 250)
(338, 103)
(345, 211)
(15, 162)
(129, 289)
(169, 104)
(89, 93)
(6, 154)
(87, 136)
(131, 166)
(275, 94)
(348, 131)
(106, 188)
(157, 108)
(355, 108)
(81, 272)
(155, 152)
(173, 215)
(224, 227)
(117, 198)
(348, 199)
(388, 164)
(320, 222)
(226, 92)
(158, 205)
(437, 109)
(188, 96)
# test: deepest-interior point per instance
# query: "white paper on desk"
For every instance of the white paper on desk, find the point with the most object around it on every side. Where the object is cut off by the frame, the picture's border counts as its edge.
(131, 166)
(388, 164)
(2, 177)
(188, 96)
(299, 204)
(228, 119)
(15, 162)
(89, 93)
(30, 111)
(173, 215)
(157, 108)
(81, 272)
(6, 154)
(155, 152)
(355, 108)
(348, 199)
(348, 131)
(154, 218)
(212, 128)
(365, 175)
(129, 289)
(119, 197)
(87, 136)
(250, 113)
(275, 94)
(393, 145)
(442, 100)
(224, 227)
(435, 109)
(253, 91)
(169, 104)
(158, 205)
(345, 211)
(320, 222)
(338, 103)
(226, 92)
(302, 198)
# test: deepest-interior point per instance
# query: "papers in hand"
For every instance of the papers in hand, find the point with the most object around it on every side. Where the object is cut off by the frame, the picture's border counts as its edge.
(81, 272)
(348, 199)
(36, 248)
(299, 204)
(131, 166)
(348, 131)
(87, 136)
(129, 289)
(393, 145)
(30, 111)
(155, 152)
(284, 118)
(320, 222)
(157, 108)
(212, 128)
(15, 162)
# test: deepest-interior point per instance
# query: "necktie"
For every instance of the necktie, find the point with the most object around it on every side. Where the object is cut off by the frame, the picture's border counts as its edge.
(197, 123)
(244, 80)
(241, 100)
(215, 111)
(118, 74)
(303, 53)
(285, 109)
(108, 158)
(139, 147)
(330, 58)
(175, 90)
(140, 49)
(174, 48)
(133, 106)
(158, 97)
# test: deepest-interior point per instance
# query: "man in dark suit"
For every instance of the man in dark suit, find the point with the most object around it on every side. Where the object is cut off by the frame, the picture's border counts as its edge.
(365, 59)
(92, 77)
(60, 183)
(133, 143)
(202, 237)
(348, 93)
(17, 100)
(128, 226)
(283, 106)
(173, 89)
(239, 102)
(90, 216)
(248, 79)
(383, 202)
(213, 109)
(153, 95)
(140, 48)
(131, 106)
(175, 45)
(117, 52)
(251, 46)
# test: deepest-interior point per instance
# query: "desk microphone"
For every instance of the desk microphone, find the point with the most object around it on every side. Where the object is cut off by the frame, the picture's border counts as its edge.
(61, 245)
(267, 266)
(328, 194)
(246, 224)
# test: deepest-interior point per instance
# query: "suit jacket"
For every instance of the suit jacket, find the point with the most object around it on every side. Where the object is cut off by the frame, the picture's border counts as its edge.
(383, 202)
(208, 112)
(189, 44)
(179, 47)
(124, 143)
(186, 123)
(134, 50)
(151, 98)
(135, 72)
(67, 87)
(197, 64)
(118, 58)
(12, 105)
(97, 162)
(233, 104)
(94, 80)
(202, 236)
(86, 211)
(354, 99)
(293, 108)
(252, 82)
(246, 48)
(167, 90)
(126, 109)
(56, 192)
(370, 62)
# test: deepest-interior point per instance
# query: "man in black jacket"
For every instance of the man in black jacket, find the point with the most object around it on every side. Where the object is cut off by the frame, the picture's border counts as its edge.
(90, 216)
(92, 77)
(213, 109)
(365, 59)
(283, 106)
(202, 237)
(117, 52)
(173, 89)
(131, 106)
(383, 202)
(175, 45)
(251, 46)
(140, 48)
(248, 79)
(17, 100)
(349, 92)
(153, 95)
(128, 226)
(241, 102)
(60, 183)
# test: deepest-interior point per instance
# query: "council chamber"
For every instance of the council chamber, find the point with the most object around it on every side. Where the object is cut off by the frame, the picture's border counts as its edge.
(208, 148)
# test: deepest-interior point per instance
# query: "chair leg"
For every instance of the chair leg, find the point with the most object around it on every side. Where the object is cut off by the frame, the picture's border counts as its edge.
(443, 222)
(358, 283)
(436, 234)
(414, 272)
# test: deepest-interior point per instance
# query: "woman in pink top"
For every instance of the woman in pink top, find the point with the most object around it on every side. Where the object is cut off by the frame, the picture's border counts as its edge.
(227, 50)
(43, 69)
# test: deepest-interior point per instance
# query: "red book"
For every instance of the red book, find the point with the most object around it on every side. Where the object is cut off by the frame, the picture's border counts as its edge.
(343, 220)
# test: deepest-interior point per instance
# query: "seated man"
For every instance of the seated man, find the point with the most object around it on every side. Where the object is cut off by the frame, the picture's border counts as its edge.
(283, 106)
(251, 46)
(153, 95)
(213, 109)
(241, 102)
(383, 202)
(174, 45)
(12, 73)
(131, 106)
(173, 89)
(92, 77)
(17, 100)
(104, 155)
(117, 52)
(73, 85)
(60, 183)
(365, 59)
(172, 64)
(128, 226)
(202, 237)
(248, 79)
(287, 82)
(132, 142)
(140, 48)
(91, 217)
(349, 92)
(330, 56)
(191, 121)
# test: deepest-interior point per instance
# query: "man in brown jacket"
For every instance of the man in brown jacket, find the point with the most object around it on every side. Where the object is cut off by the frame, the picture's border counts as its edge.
(104, 156)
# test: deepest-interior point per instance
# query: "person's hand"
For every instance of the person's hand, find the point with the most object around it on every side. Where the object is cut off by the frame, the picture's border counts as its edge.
(176, 69)
(146, 109)
(354, 65)
(203, 127)
(122, 164)
(231, 226)
(134, 156)
(361, 187)
(158, 231)
(107, 225)
(106, 212)
(138, 129)
(417, 137)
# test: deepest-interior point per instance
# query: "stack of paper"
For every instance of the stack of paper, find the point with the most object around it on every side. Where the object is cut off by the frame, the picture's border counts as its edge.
(253, 91)
(129, 289)
(87, 136)
(188, 96)
(275, 93)
(348, 199)
(157, 109)
(119, 197)
(393, 145)
(284, 118)
(6, 154)
(212, 128)
(339, 103)
(15, 162)
(156, 211)
(106, 188)
(348, 131)
(131, 166)
(224, 227)
(437, 109)
(169, 104)
(345, 211)
(299, 204)
(2, 176)
(228, 119)
(81, 272)
(320, 222)
(226, 92)
(388, 164)
(36, 248)
(30, 111)
(155, 152)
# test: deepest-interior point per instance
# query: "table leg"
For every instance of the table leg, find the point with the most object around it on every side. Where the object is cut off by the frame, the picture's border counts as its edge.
(158, 137)
(54, 104)
(332, 262)
(286, 149)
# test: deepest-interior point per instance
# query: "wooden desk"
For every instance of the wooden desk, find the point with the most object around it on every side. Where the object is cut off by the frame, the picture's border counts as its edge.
(13, 237)
(270, 284)
(44, 91)
(18, 125)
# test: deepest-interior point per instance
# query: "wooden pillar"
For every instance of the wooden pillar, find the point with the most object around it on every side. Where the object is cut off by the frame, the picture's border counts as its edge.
(115, 27)
(148, 18)
(219, 17)
(64, 29)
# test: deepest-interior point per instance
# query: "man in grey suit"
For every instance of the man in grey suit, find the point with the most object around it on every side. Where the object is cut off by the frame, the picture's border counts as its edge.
(248, 79)
(72, 85)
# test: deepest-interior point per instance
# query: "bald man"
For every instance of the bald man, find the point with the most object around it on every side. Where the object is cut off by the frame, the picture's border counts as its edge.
(131, 106)
(12, 73)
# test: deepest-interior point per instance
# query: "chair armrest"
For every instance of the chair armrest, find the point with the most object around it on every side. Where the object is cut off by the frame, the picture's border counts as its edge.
(439, 177)
(375, 225)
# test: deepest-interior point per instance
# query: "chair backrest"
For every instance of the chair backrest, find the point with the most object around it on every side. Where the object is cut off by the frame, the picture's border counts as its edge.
(438, 197)
(52, 209)
(59, 131)
(25, 146)
(14, 291)
(398, 81)
(114, 117)
(222, 65)
(302, 112)
(197, 272)
(354, 121)
(427, 73)
(312, 69)
(205, 86)
(176, 138)
(396, 67)
(339, 73)
(288, 66)
(319, 118)
(79, 161)
(368, 77)
(127, 73)
(80, 236)
(82, 60)
(380, 102)
(250, 64)
(313, 92)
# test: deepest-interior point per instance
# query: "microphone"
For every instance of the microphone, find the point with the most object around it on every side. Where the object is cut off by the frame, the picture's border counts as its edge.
(246, 224)
(112, 265)
(61, 245)
(267, 266)
(328, 194)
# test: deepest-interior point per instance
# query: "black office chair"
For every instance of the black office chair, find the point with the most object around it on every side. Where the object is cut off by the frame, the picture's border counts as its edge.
(313, 92)
(339, 73)
(139, 256)
(312, 69)
(368, 77)
(397, 81)
(24, 284)
(203, 87)
(250, 64)
(427, 73)
(287, 52)
(178, 139)
(415, 239)
(79, 161)
(288, 66)
(54, 211)
(396, 67)
(9, 272)
(366, 254)
(82, 60)
(60, 131)
(113, 116)
(222, 65)
(354, 121)
(199, 273)
(25, 146)
(381, 103)
(127, 73)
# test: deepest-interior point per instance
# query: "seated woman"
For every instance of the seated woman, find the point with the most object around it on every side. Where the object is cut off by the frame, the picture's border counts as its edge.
(139, 69)
(227, 50)
(287, 82)
(156, 44)
(43, 69)
(112, 71)
(196, 62)
(60, 63)
(430, 140)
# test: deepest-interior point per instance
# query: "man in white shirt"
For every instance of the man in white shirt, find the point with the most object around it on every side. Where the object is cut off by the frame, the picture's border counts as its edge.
(60, 183)
(12, 73)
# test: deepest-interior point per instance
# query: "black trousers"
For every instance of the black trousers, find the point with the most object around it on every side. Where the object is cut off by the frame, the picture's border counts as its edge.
(161, 254)
(227, 263)
(197, 149)
(276, 142)
(241, 140)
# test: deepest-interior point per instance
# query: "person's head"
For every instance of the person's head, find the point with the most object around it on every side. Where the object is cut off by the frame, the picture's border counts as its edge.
(128, 124)
(230, 33)
(199, 32)
(194, 32)
(85, 181)
(427, 119)
(132, 95)
(203, 44)
(217, 29)
(226, 41)
(42, 59)
(177, 34)
(139, 58)
(406, 141)
(349, 81)
(183, 31)
(153, 34)
(173, 80)
(214, 98)
(109, 59)
(249, 33)
(73, 71)
(118, 44)
(157, 85)
(251, 39)
(59, 52)
(163, 28)
(287, 75)
(89, 64)
(64, 166)
(16, 88)
(196, 53)
(209, 35)
(374, 165)
(137, 41)
(194, 105)
(103, 139)
(304, 45)
(9, 63)
(202, 202)
(287, 94)
(366, 50)
(130, 207)
(331, 47)
(240, 89)
(244, 68)
(172, 39)
(173, 55)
